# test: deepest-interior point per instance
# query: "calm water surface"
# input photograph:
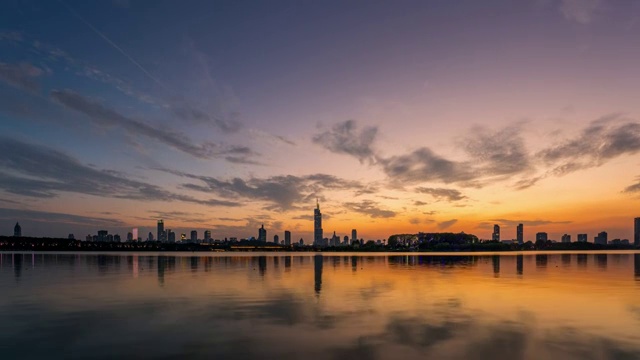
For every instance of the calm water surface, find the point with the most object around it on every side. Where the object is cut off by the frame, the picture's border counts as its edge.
(307, 306)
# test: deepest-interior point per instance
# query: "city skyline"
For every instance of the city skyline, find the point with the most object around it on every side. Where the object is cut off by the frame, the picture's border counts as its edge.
(399, 118)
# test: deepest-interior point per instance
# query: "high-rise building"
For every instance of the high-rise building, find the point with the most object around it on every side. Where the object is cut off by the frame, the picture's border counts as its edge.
(160, 233)
(150, 236)
(129, 236)
(601, 238)
(354, 236)
(170, 236)
(102, 235)
(71, 237)
(116, 238)
(566, 238)
(287, 238)
(520, 234)
(17, 230)
(135, 234)
(496, 233)
(317, 225)
(276, 239)
(542, 236)
(582, 238)
(207, 235)
(262, 234)
(194, 236)
(346, 240)
(636, 231)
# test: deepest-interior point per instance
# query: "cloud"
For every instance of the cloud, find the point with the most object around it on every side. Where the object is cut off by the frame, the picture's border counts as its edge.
(604, 139)
(508, 222)
(497, 153)
(422, 165)
(633, 188)
(186, 111)
(284, 191)
(420, 203)
(580, 11)
(441, 193)
(21, 76)
(370, 208)
(60, 218)
(39, 171)
(346, 138)
(107, 117)
(447, 224)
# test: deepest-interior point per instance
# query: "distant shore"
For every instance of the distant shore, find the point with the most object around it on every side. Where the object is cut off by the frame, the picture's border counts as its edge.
(56, 244)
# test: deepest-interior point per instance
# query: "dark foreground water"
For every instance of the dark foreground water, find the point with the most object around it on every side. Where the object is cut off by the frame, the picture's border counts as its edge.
(307, 306)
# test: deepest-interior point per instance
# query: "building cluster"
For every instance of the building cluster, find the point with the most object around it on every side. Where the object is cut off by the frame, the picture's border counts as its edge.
(601, 239)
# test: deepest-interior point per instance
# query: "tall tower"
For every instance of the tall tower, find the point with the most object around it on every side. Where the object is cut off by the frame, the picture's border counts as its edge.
(520, 234)
(262, 234)
(287, 238)
(160, 234)
(17, 230)
(354, 236)
(636, 231)
(496, 233)
(317, 225)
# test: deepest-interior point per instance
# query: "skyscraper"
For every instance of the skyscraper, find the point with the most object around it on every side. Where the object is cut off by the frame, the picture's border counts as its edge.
(276, 239)
(582, 237)
(262, 234)
(520, 234)
(287, 238)
(566, 238)
(207, 235)
(194, 236)
(601, 238)
(317, 225)
(542, 236)
(150, 236)
(636, 231)
(17, 230)
(354, 236)
(496, 233)
(160, 233)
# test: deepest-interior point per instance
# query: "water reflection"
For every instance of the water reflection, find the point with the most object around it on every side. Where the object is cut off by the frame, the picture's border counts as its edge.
(372, 307)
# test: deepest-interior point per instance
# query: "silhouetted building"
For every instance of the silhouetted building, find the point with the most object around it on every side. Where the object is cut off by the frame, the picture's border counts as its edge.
(194, 236)
(346, 240)
(301, 242)
(262, 234)
(160, 233)
(276, 239)
(542, 236)
(601, 239)
(520, 234)
(71, 237)
(117, 238)
(287, 238)
(150, 236)
(317, 225)
(354, 236)
(102, 235)
(171, 236)
(183, 237)
(636, 231)
(582, 237)
(207, 235)
(496, 233)
(17, 230)
(129, 236)
(566, 238)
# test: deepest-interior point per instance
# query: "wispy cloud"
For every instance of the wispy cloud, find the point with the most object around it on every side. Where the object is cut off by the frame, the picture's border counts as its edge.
(42, 172)
(22, 76)
(346, 138)
(580, 11)
(370, 208)
(442, 194)
(284, 191)
(106, 117)
(447, 224)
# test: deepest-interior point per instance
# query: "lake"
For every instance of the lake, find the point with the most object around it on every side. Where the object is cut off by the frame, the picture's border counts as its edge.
(533, 305)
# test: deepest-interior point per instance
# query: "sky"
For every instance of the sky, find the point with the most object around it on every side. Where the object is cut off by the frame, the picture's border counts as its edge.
(397, 116)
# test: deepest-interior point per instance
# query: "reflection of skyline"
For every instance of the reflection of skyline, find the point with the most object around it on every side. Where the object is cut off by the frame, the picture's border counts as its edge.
(317, 272)
(636, 266)
(520, 264)
(495, 260)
